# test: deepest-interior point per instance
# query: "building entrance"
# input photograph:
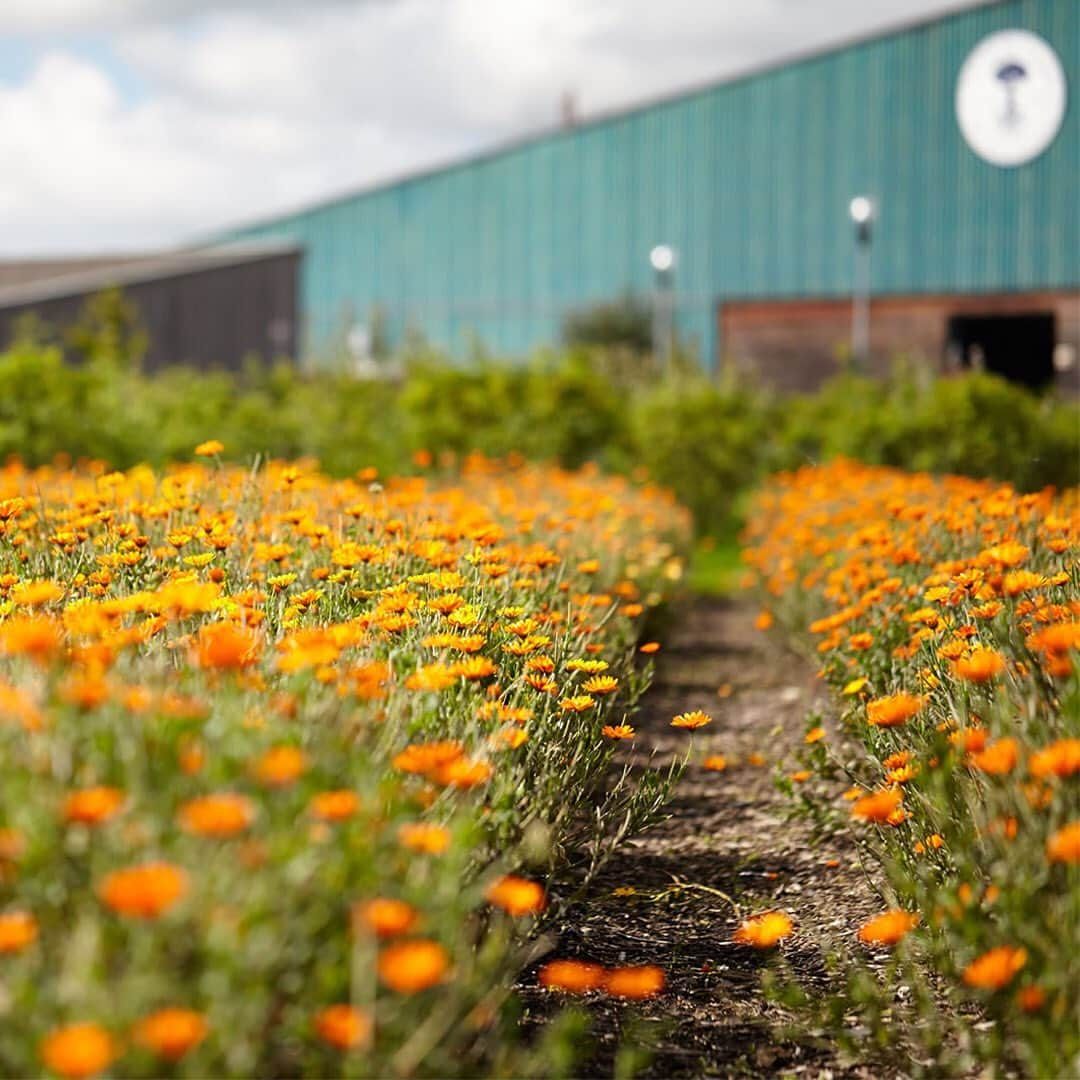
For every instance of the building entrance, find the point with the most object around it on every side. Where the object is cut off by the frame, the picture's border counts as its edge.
(1016, 347)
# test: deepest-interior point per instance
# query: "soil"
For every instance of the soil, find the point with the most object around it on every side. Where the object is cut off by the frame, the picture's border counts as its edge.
(729, 848)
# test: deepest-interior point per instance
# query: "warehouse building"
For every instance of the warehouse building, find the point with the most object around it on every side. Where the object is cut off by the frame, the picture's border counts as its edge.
(953, 141)
(200, 307)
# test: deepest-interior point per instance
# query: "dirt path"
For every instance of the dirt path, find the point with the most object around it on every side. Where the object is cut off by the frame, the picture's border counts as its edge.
(728, 833)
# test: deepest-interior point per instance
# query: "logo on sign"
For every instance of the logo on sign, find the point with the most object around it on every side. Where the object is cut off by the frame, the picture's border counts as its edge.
(1010, 97)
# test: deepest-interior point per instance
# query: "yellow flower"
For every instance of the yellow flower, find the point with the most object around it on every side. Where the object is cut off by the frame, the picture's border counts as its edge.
(691, 720)
(577, 704)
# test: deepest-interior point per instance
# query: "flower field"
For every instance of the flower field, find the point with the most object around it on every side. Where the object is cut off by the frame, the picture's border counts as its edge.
(946, 615)
(285, 760)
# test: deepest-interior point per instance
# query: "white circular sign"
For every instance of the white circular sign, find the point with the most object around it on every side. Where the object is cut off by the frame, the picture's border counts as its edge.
(1010, 97)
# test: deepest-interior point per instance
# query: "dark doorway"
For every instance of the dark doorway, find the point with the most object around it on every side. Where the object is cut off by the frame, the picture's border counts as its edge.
(1017, 347)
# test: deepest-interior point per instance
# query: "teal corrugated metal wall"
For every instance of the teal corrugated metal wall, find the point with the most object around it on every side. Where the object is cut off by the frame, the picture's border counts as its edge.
(749, 180)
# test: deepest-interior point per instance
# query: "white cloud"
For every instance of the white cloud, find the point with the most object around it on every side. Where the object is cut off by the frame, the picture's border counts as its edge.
(49, 16)
(250, 107)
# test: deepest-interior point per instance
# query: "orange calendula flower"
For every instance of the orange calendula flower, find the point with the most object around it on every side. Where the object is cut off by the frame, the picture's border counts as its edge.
(1021, 581)
(477, 667)
(1008, 554)
(902, 775)
(649, 647)
(219, 815)
(894, 710)
(191, 756)
(432, 677)
(814, 735)
(85, 692)
(971, 740)
(764, 620)
(18, 704)
(226, 647)
(517, 896)
(617, 731)
(343, 1027)
(509, 738)
(571, 976)
(36, 636)
(18, 929)
(1031, 998)
(281, 766)
(144, 892)
(384, 916)
(78, 1050)
(422, 837)
(878, 806)
(1060, 759)
(1056, 640)
(979, 666)
(765, 930)
(463, 773)
(335, 805)
(171, 1033)
(12, 845)
(422, 758)
(36, 593)
(637, 983)
(715, 763)
(209, 448)
(1063, 846)
(691, 721)
(91, 806)
(887, 928)
(411, 966)
(998, 758)
(996, 968)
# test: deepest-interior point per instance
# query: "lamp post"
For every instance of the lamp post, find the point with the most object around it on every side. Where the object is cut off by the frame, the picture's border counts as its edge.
(863, 212)
(662, 258)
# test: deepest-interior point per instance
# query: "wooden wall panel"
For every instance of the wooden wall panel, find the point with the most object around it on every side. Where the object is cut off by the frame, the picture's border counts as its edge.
(794, 345)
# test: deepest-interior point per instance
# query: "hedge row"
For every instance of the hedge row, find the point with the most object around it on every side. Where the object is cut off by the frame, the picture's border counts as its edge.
(709, 442)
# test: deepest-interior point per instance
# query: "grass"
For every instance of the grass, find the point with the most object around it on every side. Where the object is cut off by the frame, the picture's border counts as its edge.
(716, 566)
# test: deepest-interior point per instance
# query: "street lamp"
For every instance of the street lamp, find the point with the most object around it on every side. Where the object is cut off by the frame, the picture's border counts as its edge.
(863, 211)
(662, 258)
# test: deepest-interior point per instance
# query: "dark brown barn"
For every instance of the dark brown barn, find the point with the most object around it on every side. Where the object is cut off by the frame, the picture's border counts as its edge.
(204, 308)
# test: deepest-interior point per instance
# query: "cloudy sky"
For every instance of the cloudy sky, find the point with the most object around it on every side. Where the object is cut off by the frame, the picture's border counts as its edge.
(132, 123)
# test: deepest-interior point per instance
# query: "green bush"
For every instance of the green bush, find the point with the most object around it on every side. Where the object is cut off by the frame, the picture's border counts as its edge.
(977, 425)
(623, 323)
(706, 443)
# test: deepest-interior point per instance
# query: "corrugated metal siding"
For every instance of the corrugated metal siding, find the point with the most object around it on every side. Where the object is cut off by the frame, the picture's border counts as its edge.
(203, 316)
(749, 180)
